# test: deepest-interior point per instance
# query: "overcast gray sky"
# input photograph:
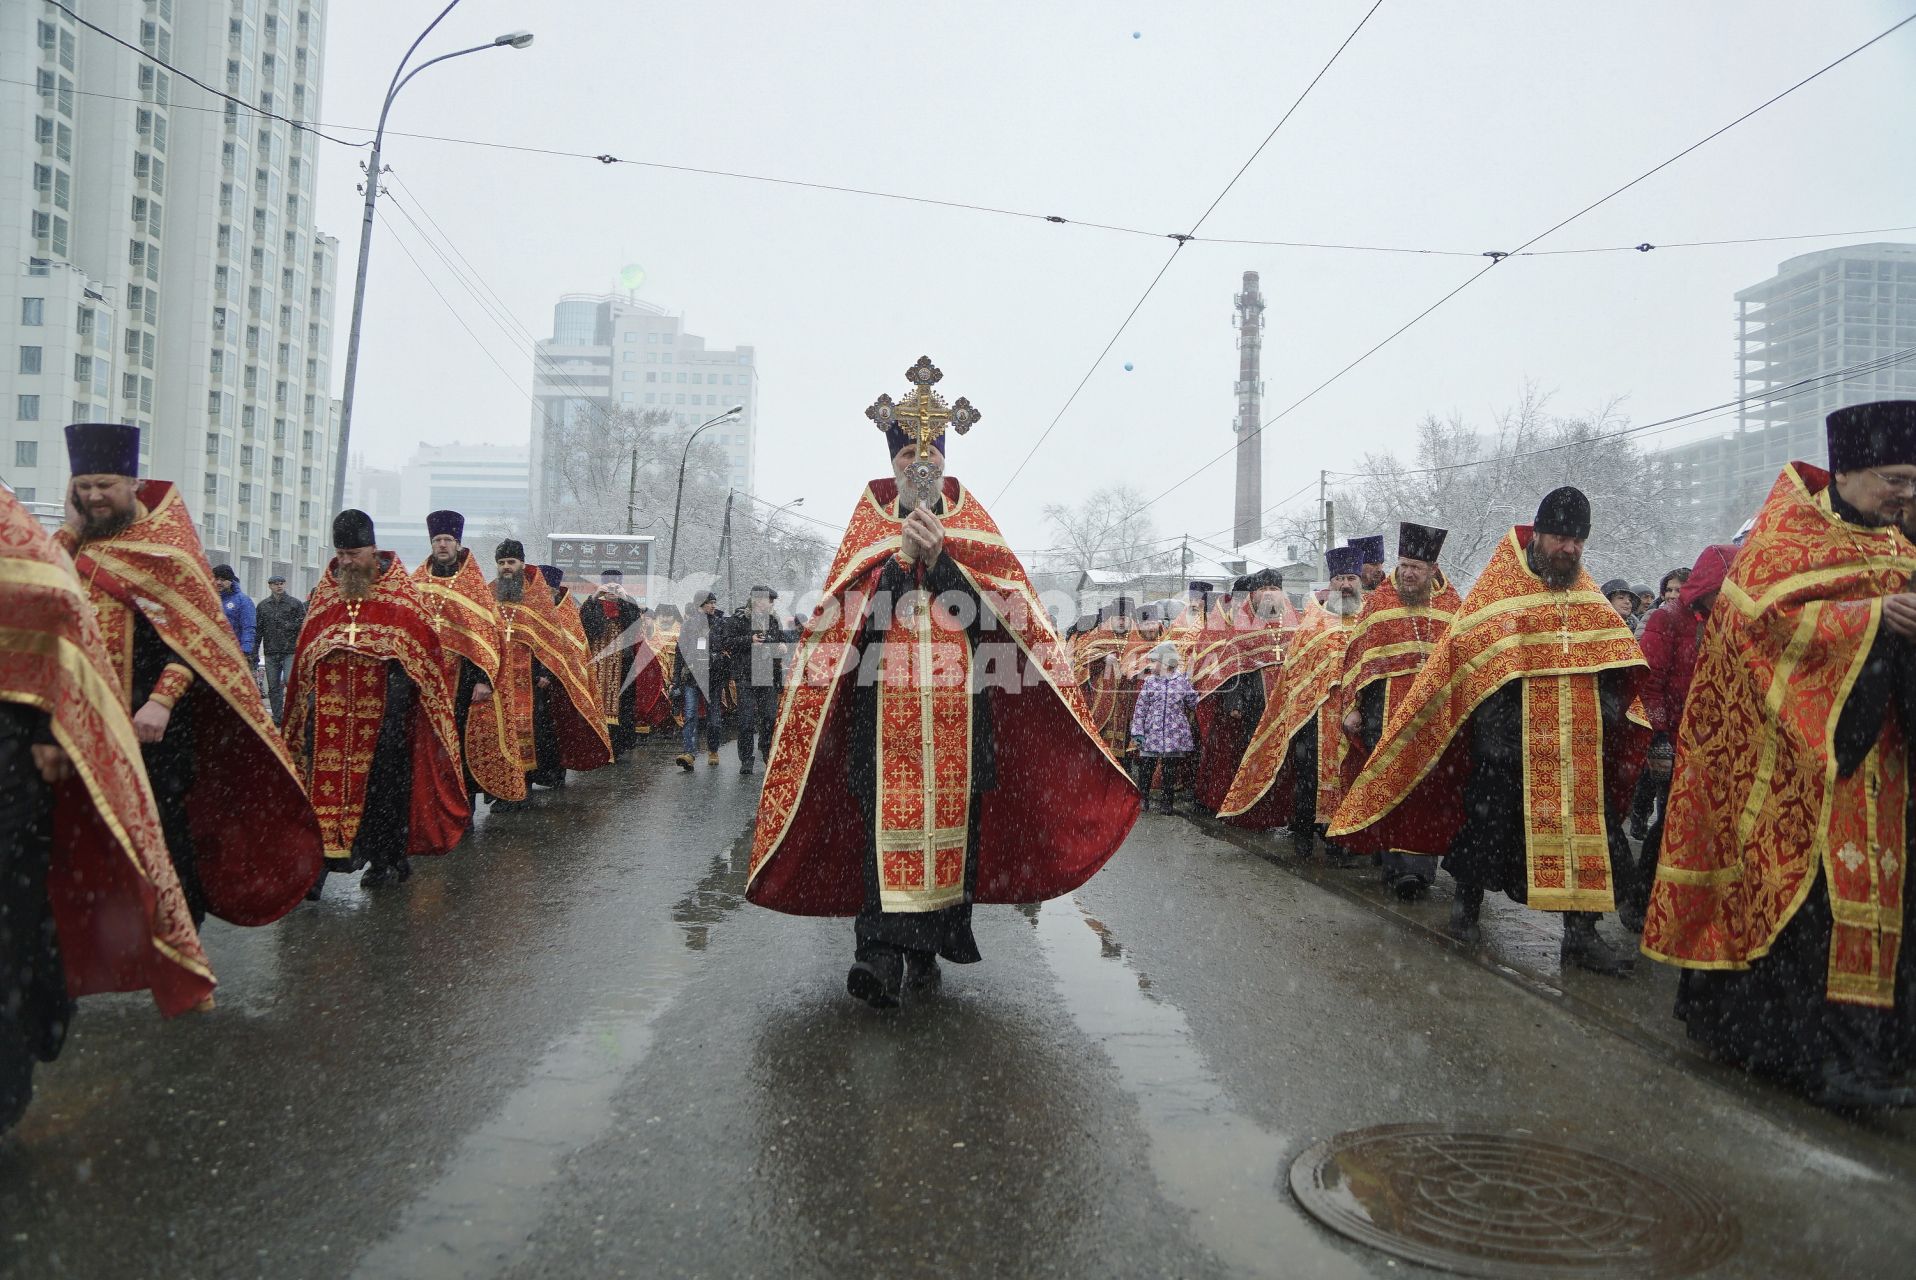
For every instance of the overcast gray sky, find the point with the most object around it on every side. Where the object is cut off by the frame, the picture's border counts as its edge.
(1464, 125)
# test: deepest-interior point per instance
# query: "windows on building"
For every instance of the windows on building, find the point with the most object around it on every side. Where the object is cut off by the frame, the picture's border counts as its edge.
(30, 359)
(26, 453)
(33, 311)
(27, 408)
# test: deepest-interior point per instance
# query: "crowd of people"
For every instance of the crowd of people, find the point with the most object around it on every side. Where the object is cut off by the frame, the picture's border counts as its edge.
(169, 751)
(1721, 761)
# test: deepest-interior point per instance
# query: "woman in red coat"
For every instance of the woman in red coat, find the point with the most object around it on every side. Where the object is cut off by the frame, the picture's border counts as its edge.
(1669, 642)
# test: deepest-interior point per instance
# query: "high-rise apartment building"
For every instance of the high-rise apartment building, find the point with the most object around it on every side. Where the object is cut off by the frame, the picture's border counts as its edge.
(1822, 313)
(159, 264)
(613, 352)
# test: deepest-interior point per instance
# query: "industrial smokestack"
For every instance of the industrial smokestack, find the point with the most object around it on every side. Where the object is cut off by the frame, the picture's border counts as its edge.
(1250, 413)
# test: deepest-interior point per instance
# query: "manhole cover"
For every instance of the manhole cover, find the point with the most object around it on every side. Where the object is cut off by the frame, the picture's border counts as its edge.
(1491, 1204)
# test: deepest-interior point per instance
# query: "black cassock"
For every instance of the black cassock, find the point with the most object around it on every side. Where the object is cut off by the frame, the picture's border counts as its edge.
(1773, 1017)
(169, 762)
(34, 1006)
(549, 768)
(947, 931)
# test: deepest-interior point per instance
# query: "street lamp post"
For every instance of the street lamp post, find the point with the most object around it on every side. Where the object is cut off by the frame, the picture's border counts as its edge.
(678, 500)
(511, 40)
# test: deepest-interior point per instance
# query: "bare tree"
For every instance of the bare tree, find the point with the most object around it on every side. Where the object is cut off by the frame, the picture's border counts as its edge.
(1108, 530)
(1478, 483)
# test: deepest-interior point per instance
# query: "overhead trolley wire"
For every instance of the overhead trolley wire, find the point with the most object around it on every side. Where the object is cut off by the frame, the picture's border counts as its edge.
(1500, 259)
(1178, 248)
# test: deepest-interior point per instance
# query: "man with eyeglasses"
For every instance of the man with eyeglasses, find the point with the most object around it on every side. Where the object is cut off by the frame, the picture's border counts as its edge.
(1780, 889)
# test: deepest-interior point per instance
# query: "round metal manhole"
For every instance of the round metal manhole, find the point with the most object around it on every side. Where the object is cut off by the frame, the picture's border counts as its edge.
(1496, 1205)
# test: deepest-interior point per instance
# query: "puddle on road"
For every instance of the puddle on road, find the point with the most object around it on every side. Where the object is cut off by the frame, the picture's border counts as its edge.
(475, 1218)
(1227, 1170)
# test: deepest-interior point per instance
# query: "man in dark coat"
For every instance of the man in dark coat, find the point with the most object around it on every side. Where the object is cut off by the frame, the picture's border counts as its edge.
(757, 648)
(278, 618)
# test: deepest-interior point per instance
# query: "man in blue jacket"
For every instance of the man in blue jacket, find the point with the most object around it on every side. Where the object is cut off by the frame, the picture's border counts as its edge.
(239, 609)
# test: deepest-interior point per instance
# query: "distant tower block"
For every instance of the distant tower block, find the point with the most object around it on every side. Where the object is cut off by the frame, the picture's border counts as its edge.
(1250, 413)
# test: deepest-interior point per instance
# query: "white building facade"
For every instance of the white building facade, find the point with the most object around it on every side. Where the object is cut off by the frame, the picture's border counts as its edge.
(611, 352)
(161, 241)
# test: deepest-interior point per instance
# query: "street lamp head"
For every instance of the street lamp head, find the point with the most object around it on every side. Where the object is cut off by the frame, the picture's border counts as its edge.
(517, 39)
(737, 408)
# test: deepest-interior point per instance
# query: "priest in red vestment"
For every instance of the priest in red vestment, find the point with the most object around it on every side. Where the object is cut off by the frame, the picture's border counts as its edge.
(369, 714)
(1293, 770)
(471, 638)
(1403, 618)
(1782, 886)
(1238, 670)
(1516, 749)
(88, 898)
(934, 751)
(240, 830)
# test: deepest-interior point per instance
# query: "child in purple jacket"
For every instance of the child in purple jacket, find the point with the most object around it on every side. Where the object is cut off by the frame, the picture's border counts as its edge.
(1161, 724)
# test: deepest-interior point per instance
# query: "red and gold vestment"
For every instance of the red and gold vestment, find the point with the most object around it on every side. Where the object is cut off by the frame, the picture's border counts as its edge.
(1757, 808)
(467, 619)
(535, 628)
(1512, 627)
(123, 923)
(337, 690)
(1261, 794)
(1062, 803)
(256, 840)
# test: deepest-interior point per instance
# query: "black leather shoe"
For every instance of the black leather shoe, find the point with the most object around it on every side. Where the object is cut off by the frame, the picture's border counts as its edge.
(922, 974)
(876, 981)
(1410, 888)
(1844, 1088)
(1585, 948)
(1463, 923)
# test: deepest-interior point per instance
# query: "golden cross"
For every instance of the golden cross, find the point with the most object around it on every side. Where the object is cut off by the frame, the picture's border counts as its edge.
(1563, 623)
(352, 625)
(923, 410)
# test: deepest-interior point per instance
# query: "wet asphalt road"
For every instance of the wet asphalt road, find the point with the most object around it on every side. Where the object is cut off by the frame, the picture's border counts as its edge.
(570, 1049)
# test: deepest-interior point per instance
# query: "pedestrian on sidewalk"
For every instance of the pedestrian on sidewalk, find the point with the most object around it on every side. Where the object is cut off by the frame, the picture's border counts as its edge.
(238, 607)
(278, 618)
(1162, 734)
(696, 667)
(757, 652)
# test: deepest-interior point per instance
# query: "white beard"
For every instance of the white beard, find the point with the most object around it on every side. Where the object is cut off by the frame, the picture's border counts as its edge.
(1342, 605)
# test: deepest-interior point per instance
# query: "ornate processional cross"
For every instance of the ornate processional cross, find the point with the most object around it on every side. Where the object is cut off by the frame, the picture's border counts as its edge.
(925, 413)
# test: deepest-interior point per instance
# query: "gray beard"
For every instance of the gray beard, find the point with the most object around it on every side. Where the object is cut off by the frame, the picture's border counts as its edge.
(1416, 601)
(1552, 578)
(1342, 605)
(509, 590)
